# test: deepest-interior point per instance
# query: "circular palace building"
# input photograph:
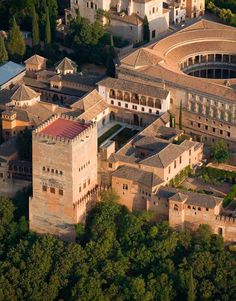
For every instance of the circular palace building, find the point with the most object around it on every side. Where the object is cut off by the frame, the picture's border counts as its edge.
(197, 65)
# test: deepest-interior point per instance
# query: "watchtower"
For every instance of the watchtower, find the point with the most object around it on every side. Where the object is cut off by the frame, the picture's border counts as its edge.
(64, 175)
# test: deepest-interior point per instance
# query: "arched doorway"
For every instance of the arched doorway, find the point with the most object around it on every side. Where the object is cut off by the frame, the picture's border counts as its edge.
(136, 119)
(112, 116)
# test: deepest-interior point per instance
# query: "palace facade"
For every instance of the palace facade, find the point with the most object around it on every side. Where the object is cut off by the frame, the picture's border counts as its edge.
(197, 66)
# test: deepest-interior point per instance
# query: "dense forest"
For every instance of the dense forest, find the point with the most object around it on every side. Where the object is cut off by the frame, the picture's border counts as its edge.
(118, 256)
(227, 4)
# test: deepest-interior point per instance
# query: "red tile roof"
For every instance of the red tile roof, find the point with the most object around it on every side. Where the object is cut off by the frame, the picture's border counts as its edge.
(64, 128)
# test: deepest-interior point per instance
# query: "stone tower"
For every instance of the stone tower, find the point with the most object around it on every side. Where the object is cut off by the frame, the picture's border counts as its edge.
(64, 175)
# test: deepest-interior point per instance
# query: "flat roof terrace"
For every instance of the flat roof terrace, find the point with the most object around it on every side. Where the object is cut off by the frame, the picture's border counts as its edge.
(64, 128)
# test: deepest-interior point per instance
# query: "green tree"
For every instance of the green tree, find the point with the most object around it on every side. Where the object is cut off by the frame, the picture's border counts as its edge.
(220, 152)
(3, 51)
(35, 29)
(48, 36)
(24, 145)
(16, 43)
(146, 30)
(111, 69)
(191, 294)
(181, 116)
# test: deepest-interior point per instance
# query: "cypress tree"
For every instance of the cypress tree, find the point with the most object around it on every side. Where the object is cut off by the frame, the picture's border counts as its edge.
(181, 116)
(3, 51)
(16, 43)
(146, 30)
(111, 69)
(35, 29)
(191, 296)
(48, 36)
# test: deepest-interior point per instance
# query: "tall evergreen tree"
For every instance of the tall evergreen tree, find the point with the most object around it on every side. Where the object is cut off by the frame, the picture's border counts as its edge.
(16, 43)
(191, 295)
(48, 35)
(3, 51)
(35, 29)
(181, 116)
(111, 69)
(146, 30)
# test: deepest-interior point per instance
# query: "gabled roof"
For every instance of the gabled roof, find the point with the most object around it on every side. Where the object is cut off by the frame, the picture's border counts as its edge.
(189, 197)
(91, 105)
(179, 197)
(24, 93)
(142, 57)
(165, 157)
(133, 19)
(134, 87)
(137, 175)
(89, 100)
(66, 64)
(36, 60)
(9, 70)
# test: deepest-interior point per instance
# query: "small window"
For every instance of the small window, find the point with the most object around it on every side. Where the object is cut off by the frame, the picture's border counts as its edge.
(207, 209)
(125, 186)
(110, 165)
(61, 173)
(199, 209)
(60, 192)
(176, 208)
(189, 207)
(52, 189)
(44, 188)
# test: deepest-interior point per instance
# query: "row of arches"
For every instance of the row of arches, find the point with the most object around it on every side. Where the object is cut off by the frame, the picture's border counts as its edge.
(135, 98)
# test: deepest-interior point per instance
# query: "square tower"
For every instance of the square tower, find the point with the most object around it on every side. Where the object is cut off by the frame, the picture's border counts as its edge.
(64, 175)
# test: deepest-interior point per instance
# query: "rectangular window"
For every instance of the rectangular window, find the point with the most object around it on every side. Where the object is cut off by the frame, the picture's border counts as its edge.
(52, 189)
(125, 186)
(110, 165)
(175, 164)
(180, 159)
(84, 186)
(44, 188)
(60, 192)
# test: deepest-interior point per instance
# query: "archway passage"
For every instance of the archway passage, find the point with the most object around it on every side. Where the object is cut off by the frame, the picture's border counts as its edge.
(136, 119)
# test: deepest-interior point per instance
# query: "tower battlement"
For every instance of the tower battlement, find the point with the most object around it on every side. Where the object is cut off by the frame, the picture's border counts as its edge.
(226, 219)
(63, 129)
